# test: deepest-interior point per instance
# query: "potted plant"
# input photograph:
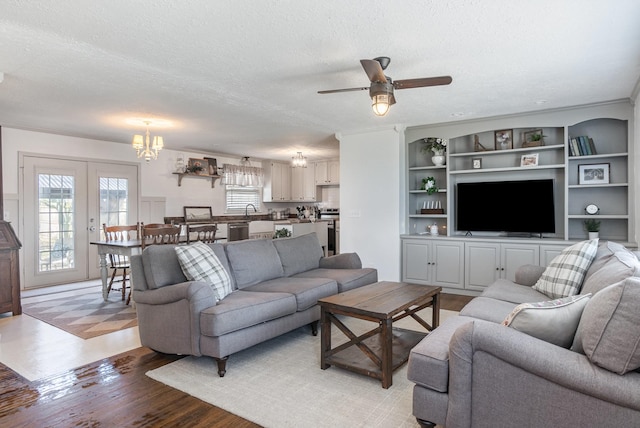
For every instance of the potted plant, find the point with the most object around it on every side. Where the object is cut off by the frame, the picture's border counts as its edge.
(429, 184)
(593, 227)
(438, 146)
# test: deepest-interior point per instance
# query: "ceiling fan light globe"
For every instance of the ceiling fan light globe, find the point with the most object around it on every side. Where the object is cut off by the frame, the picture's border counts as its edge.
(380, 104)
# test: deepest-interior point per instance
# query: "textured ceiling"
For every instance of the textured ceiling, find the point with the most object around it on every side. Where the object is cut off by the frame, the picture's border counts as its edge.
(241, 77)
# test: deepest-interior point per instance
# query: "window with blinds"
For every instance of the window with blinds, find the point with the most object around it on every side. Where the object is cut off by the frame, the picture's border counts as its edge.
(238, 197)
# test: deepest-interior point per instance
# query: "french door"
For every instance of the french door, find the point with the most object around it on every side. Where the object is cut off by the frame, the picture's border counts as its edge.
(65, 203)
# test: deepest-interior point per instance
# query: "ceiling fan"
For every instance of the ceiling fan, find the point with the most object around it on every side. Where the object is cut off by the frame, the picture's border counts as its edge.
(381, 89)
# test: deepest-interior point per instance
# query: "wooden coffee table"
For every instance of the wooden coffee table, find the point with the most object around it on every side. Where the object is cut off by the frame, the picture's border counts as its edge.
(378, 352)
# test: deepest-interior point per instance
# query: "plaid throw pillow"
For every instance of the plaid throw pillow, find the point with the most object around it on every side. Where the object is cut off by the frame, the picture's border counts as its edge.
(199, 263)
(564, 275)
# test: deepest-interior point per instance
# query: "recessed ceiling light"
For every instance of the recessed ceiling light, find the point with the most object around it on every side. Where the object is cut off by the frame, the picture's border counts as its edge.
(457, 114)
(539, 102)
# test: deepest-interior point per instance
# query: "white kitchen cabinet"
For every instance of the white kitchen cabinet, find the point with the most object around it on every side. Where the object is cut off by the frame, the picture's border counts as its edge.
(303, 184)
(327, 173)
(433, 262)
(485, 262)
(277, 182)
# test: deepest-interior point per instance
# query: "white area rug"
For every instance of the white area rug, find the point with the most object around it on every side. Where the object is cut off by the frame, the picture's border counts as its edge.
(279, 383)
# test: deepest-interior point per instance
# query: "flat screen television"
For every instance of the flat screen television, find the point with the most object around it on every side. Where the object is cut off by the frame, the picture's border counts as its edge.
(517, 207)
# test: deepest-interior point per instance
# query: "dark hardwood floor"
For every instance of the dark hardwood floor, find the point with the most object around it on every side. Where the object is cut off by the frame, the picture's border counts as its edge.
(115, 392)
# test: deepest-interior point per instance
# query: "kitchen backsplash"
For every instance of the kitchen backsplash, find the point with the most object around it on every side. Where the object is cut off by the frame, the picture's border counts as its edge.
(330, 196)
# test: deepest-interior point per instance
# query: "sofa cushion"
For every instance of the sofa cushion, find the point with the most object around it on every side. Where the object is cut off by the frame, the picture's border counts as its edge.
(503, 289)
(253, 261)
(347, 279)
(306, 290)
(553, 321)
(161, 266)
(429, 360)
(242, 309)
(199, 263)
(487, 309)
(564, 275)
(218, 249)
(608, 332)
(299, 254)
(614, 263)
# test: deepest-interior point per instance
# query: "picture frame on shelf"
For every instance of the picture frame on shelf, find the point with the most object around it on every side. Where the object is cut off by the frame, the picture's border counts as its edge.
(529, 160)
(197, 214)
(198, 166)
(212, 165)
(533, 138)
(476, 163)
(503, 139)
(594, 173)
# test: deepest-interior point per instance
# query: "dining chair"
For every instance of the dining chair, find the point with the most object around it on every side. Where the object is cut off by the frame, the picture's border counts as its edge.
(203, 232)
(159, 234)
(118, 261)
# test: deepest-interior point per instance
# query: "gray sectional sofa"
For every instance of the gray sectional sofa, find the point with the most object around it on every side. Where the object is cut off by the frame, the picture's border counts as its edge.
(473, 371)
(276, 285)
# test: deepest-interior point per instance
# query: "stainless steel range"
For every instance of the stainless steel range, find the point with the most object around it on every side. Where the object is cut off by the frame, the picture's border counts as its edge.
(332, 215)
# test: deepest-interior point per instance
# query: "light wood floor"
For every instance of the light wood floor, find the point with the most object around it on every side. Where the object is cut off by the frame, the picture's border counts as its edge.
(114, 392)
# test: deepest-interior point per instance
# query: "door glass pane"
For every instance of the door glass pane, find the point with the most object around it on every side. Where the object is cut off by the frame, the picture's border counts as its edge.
(56, 198)
(113, 201)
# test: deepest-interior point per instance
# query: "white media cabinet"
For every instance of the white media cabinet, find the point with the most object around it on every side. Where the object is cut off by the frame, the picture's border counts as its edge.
(469, 263)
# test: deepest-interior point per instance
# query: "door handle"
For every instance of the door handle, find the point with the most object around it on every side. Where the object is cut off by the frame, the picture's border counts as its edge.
(92, 228)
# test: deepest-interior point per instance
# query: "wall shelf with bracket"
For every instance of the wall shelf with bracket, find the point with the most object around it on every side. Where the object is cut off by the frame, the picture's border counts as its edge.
(187, 174)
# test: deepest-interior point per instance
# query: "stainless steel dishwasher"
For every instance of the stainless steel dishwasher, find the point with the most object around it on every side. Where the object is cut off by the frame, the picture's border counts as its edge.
(237, 231)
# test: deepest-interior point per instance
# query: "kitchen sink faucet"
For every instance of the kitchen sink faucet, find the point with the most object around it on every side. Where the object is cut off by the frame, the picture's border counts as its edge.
(246, 210)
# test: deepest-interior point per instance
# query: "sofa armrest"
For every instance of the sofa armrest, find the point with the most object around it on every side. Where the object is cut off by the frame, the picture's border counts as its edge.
(169, 316)
(528, 274)
(192, 291)
(341, 261)
(519, 370)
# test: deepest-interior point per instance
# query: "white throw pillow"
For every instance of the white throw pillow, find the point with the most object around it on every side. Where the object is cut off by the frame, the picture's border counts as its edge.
(199, 263)
(555, 321)
(564, 275)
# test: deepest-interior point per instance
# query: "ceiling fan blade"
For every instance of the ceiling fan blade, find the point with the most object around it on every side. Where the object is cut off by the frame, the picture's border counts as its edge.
(374, 70)
(419, 83)
(333, 91)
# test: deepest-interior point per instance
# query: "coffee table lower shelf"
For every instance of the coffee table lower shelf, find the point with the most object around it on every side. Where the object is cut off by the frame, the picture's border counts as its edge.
(353, 359)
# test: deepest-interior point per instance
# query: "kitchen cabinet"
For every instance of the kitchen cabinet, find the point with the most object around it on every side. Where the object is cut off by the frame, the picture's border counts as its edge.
(303, 184)
(327, 173)
(277, 182)
(433, 262)
(488, 261)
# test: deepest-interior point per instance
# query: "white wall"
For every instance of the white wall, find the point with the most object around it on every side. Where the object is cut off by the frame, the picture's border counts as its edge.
(370, 198)
(156, 178)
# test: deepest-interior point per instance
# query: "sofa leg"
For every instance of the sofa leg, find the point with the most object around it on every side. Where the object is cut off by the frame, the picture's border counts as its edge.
(314, 328)
(425, 424)
(222, 365)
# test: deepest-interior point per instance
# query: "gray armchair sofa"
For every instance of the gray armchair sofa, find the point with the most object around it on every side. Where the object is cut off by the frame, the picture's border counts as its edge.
(276, 285)
(472, 371)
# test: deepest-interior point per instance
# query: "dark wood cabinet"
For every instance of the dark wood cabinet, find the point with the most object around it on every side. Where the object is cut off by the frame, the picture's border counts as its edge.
(9, 270)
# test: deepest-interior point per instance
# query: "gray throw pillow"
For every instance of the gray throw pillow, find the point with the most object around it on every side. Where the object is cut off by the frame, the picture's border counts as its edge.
(616, 265)
(554, 321)
(608, 331)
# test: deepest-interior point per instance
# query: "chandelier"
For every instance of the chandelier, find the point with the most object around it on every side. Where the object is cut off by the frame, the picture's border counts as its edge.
(144, 147)
(299, 161)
